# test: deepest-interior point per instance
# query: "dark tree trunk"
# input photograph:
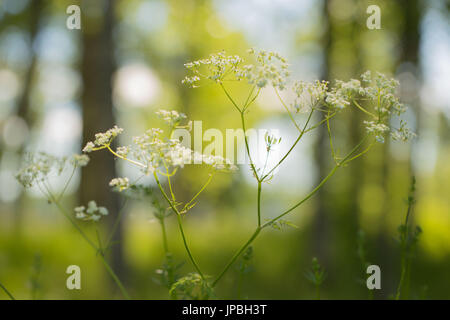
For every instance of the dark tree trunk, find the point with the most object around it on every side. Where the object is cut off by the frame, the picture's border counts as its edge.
(97, 69)
(33, 14)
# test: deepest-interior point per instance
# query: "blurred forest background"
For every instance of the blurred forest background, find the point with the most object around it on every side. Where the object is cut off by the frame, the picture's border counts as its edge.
(58, 87)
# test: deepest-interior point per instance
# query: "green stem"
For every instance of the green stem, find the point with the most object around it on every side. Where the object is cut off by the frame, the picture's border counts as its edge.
(324, 180)
(331, 139)
(92, 244)
(164, 235)
(258, 229)
(230, 98)
(302, 132)
(67, 183)
(259, 204)
(7, 292)
(186, 206)
(180, 225)
(236, 255)
(364, 110)
(115, 277)
(252, 165)
(288, 111)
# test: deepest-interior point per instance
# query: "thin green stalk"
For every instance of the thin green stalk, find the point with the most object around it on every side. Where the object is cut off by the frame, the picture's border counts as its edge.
(252, 165)
(230, 98)
(405, 260)
(364, 110)
(321, 122)
(258, 229)
(242, 113)
(331, 139)
(67, 183)
(7, 292)
(115, 277)
(186, 206)
(236, 255)
(259, 204)
(288, 111)
(164, 235)
(180, 226)
(89, 241)
(115, 225)
(302, 132)
(332, 172)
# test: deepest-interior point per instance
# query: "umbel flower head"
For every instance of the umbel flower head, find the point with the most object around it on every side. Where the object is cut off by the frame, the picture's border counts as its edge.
(120, 184)
(152, 150)
(91, 213)
(375, 96)
(103, 139)
(270, 68)
(374, 92)
(40, 166)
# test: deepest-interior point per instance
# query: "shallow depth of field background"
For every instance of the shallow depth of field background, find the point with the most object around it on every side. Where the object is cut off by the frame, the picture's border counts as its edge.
(55, 86)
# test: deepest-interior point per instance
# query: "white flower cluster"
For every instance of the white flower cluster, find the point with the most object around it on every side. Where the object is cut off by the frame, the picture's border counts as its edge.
(154, 151)
(120, 183)
(215, 68)
(92, 213)
(377, 94)
(39, 166)
(383, 88)
(309, 94)
(377, 128)
(123, 151)
(172, 118)
(271, 141)
(271, 69)
(403, 133)
(80, 160)
(102, 139)
(340, 96)
(151, 151)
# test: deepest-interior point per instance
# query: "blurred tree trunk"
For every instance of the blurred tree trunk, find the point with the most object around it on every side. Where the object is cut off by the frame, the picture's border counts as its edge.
(328, 209)
(320, 229)
(408, 63)
(97, 69)
(33, 15)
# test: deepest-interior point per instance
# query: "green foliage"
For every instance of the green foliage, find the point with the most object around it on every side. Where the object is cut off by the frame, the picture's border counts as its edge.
(192, 286)
(316, 275)
(35, 282)
(282, 223)
(168, 274)
(244, 268)
(408, 240)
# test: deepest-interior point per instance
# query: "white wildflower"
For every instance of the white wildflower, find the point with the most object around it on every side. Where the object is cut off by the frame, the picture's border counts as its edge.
(103, 139)
(123, 151)
(89, 147)
(309, 95)
(80, 160)
(38, 167)
(271, 69)
(120, 183)
(172, 118)
(93, 212)
(377, 128)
